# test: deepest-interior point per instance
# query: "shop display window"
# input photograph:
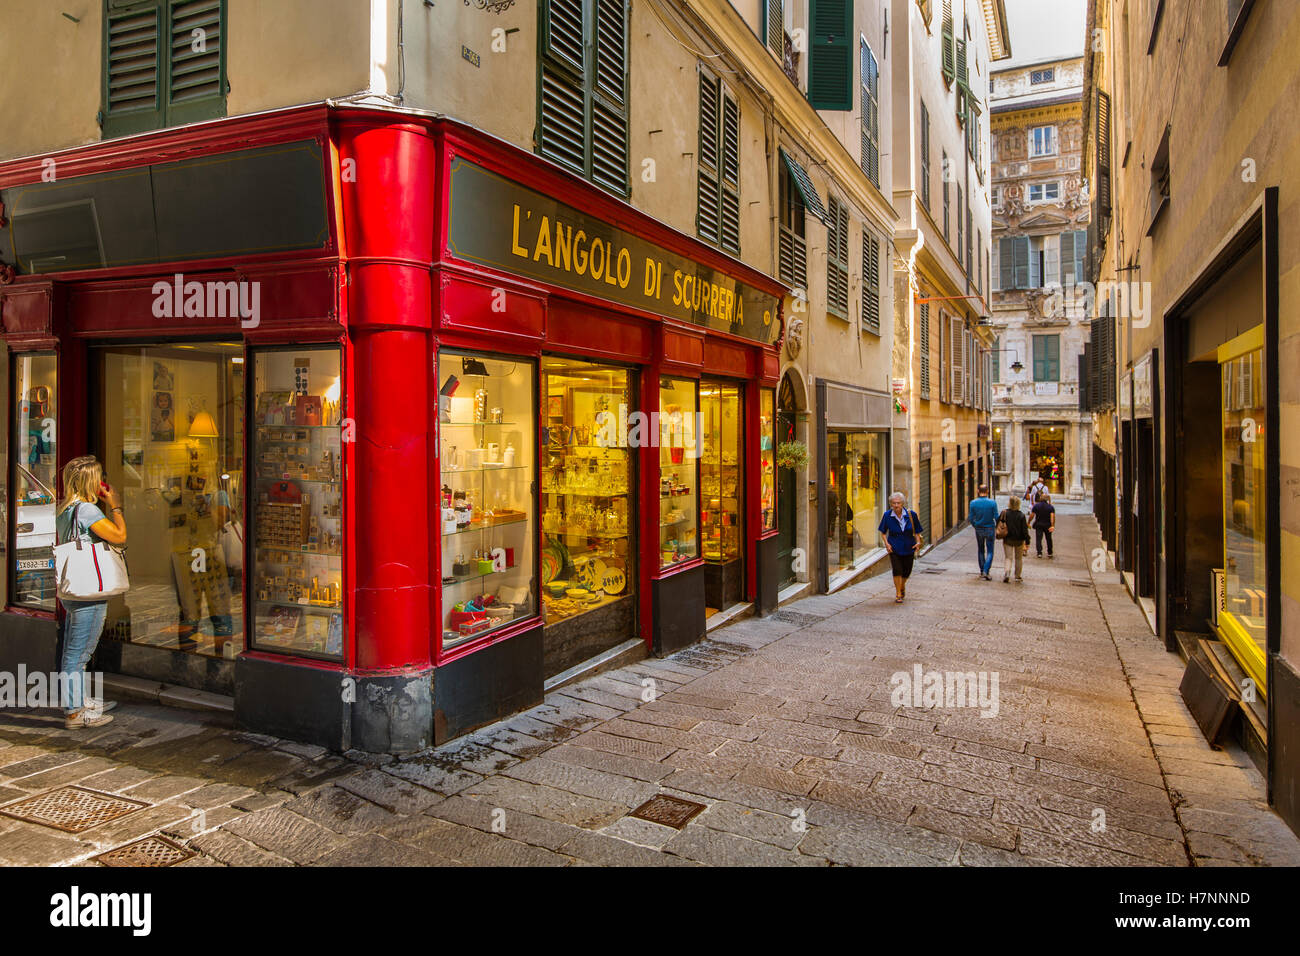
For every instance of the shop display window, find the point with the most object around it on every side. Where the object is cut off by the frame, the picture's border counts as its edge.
(170, 422)
(721, 472)
(1244, 437)
(588, 488)
(767, 455)
(296, 583)
(678, 471)
(486, 455)
(855, 496)
(34, 480)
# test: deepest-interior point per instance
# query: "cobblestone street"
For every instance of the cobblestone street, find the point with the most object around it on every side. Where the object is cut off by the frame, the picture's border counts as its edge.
(782, 728)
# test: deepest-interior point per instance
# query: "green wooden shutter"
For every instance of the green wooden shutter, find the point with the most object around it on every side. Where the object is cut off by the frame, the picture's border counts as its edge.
(995, 359)
(870, 281)
(961, 72)
(609, 113)
(562, 106)
(708, 213)
(1054, 357)
(730, 198)
(134, 68)
(196, 75)
(830, 55)
(837, 260)
(924, 343)
(949, 58)
(774, 27)
(870, 115)
(1020, 263)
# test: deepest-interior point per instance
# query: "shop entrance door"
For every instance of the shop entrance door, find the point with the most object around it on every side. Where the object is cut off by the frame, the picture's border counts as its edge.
(947, 499)
(923, 500)
(589, 576)
(786, 515)
(961, 492)
(722, 493)
(1047, 457)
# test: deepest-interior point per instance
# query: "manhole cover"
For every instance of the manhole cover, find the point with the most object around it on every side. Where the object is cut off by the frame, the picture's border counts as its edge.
(670, 811)
(71, 809)
(151, 851)
(1043, 622)
(797, 617)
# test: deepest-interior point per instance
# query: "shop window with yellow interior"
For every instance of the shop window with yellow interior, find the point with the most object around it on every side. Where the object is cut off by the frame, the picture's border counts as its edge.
(721, 490)
(855, 499)
(1245, 432)
(767, 455)
(34, 480)
(169, 424)
(297, 502)
(486, 423)
(587, 491)
(679, 460)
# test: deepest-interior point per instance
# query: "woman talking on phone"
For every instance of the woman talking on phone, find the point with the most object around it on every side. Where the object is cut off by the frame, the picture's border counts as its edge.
(91, 511)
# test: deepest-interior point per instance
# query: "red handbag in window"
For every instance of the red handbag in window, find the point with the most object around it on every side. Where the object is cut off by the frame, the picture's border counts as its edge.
(284, 492)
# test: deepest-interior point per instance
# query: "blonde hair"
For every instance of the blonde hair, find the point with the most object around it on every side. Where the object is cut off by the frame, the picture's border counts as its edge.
(81, 479)
(1014, 503)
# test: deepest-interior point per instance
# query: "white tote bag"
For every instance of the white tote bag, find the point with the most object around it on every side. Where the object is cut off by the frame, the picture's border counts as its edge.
(232, 545)
(89, 570)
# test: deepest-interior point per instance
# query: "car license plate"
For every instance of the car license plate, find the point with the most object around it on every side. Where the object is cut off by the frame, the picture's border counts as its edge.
(36, 564)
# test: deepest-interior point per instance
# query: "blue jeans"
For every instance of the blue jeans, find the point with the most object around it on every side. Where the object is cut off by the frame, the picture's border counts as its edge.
(82, 626)
(984, 539)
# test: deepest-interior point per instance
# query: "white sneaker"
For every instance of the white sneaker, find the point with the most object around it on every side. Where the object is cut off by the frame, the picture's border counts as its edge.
(85, 718)
(99, 706)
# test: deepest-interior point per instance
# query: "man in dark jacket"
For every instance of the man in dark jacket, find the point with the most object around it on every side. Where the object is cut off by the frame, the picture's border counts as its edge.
(1016, 543)
(1044, 523)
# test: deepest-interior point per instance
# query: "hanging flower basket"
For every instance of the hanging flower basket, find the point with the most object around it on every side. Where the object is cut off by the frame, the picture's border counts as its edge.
(792, 455)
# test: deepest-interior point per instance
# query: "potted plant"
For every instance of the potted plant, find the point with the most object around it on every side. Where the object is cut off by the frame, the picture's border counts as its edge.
(792, 455)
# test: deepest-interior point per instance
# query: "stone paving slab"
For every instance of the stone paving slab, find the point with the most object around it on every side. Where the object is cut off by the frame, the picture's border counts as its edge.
(790, 737)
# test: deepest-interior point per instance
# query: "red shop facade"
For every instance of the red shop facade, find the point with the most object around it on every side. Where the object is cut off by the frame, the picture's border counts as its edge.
(407, 422)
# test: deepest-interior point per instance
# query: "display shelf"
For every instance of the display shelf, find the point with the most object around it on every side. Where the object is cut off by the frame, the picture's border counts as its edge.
(448, 472)
(464, 424)
(486, 526)
(320, 608)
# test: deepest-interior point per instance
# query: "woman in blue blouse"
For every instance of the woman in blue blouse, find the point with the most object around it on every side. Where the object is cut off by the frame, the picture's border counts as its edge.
(900, 530)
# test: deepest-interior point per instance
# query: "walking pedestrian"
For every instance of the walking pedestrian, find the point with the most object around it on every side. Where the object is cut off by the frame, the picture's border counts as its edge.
(900, 530)
(1044, 523)
(1036, 489)
(1016, 540)
(984, 519)
(81, 517)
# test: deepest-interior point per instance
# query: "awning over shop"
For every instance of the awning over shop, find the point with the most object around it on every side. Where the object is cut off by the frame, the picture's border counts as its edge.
(812, 202)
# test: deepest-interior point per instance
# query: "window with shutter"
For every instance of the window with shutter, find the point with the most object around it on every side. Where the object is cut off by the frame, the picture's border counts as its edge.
(961, 234)
(582, 101)
(164, 64)
(958, 388)
(945, 356)
(1047, 358)
(995, 364)
(1020, 262)
(870, 281)
(774, 27)
(718, 214)
(870, 118)
(923, 341)
(1103, 158)
(944, 174)
(837, 260)
(830, 55)
(947, 39)
(791, 248)
(925, 157)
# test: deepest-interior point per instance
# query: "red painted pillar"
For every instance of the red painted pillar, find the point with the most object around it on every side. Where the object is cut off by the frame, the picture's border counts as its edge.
(388, 188)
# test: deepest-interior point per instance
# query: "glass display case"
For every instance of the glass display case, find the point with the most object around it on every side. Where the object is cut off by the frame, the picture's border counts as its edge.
(35, 480)
(767, 455)
(297, 502)
(679, 462)
(721, 472)
(486, 416)
(1245, 436)
(587, 489)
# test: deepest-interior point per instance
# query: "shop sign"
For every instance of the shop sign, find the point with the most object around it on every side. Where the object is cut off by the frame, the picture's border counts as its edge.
(498, 223)
(925, 450)
(1046, 388)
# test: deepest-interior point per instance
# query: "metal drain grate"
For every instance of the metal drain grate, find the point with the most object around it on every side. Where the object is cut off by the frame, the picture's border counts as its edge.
(151, 851)
(669, 811)
(1081, 584)
(933, 570)
(797, 617)
(71, 809)
(1043, 622)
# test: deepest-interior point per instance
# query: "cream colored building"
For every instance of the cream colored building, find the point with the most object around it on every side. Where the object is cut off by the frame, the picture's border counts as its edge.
(1192, 147)
(941, 361)
(1040, 320)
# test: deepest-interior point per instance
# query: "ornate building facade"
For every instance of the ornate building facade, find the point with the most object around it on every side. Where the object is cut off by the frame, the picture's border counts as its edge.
(1039, 300)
